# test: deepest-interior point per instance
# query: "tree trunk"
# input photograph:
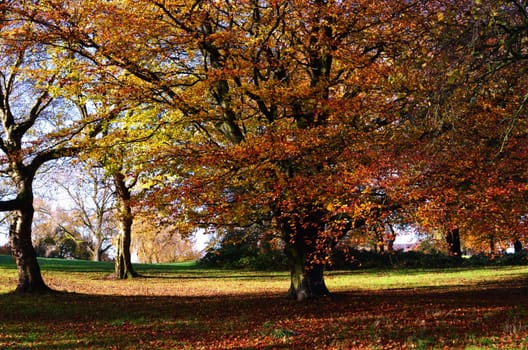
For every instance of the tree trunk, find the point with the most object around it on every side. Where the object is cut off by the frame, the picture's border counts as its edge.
(491, 244)
(307, 279)
(30, 279)
(98, 251)
(123, 261)
(305, 261)
(517, 246)
(97, 255)
(453, 242)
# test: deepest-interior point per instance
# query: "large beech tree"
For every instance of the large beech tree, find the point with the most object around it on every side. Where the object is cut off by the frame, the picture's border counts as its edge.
(289, 109)
(300, 101)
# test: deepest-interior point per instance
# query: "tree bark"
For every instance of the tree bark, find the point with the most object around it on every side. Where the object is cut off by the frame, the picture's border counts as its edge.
(305, 261)
(453, 242)
(30, 279)
(306, 278)
(123, 261)
(491, 242)
(518, 247)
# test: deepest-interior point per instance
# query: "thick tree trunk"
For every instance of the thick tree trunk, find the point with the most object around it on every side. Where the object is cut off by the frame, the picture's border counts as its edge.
(30, 279)
(123, 261)
(307, 279)
(306, 249)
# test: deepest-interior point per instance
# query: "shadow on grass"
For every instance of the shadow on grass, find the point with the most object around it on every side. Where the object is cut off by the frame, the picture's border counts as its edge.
(496, 314)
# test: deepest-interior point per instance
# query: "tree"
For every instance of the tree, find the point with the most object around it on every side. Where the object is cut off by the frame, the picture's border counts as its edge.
(24, 153)
(54, 237)
(161, 243)
(287, 108)
(38, 125)
(128, 147)
(296, 108)
(91, 208)
(472, 147)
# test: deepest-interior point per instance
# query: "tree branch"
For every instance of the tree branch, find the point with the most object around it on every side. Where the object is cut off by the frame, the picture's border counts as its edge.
(9, 205)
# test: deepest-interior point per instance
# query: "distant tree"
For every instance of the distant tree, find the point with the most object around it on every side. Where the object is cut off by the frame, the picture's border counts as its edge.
(60, 242)
(4, 234)
(163, 243)
(85, 209)
(92, 207)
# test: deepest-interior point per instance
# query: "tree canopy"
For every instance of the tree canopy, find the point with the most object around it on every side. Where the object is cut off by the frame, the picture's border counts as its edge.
(308, 118)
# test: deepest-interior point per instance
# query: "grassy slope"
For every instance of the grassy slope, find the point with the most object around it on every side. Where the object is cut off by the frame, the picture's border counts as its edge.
(182, 306)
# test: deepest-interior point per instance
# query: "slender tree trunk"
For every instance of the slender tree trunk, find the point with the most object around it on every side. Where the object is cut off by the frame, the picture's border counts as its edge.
(97, 253)
(390, 240)
(30, 279)
(453, 242)
(517, 246)
(492, 244)
(123, 261)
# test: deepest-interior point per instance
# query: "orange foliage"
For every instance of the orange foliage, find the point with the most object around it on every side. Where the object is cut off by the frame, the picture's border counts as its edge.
(313, 117)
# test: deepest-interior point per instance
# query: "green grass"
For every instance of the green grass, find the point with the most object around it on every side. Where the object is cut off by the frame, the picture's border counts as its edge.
(423, 278)
(183, 306)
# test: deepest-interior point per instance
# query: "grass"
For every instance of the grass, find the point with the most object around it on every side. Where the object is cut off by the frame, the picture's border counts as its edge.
(182, 306)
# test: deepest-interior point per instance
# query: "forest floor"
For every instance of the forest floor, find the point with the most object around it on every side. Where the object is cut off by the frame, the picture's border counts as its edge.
(181, 306)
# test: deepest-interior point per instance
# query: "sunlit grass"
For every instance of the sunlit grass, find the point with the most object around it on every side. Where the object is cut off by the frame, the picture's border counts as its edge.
(422, 278)
(179, 279)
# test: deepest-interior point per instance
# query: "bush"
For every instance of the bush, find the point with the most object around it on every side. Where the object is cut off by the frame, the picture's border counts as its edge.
(499, 260)
(248, 256)
(232, 257)
(414, 259)
(245, 248)
(5, 250)
(369, 259)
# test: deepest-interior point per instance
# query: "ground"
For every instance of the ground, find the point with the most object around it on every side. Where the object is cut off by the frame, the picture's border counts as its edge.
(184, 307)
